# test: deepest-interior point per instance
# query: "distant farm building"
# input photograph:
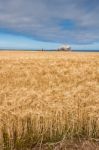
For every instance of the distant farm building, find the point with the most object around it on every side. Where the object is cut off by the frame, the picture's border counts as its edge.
(64, 47)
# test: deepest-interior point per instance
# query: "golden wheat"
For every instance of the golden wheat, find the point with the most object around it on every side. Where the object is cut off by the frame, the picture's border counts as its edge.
(45, 96)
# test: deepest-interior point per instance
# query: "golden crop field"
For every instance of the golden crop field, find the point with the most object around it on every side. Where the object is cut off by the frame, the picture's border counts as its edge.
(48, 96)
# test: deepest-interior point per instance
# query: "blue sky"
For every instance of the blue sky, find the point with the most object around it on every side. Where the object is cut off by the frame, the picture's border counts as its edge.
(37, 24)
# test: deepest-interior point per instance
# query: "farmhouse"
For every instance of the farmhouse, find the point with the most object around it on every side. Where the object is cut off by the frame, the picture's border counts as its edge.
(65, 47)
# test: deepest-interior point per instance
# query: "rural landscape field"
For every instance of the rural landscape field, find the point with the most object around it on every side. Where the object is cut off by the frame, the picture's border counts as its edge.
(48, 100)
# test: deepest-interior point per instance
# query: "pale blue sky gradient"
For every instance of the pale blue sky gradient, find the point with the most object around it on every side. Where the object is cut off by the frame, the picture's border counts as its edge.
(8, 41)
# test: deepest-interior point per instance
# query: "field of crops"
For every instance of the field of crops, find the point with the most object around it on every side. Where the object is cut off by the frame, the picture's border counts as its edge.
(46, 97)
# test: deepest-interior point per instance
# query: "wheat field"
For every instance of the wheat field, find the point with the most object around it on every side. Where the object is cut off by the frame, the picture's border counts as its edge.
(47, 96)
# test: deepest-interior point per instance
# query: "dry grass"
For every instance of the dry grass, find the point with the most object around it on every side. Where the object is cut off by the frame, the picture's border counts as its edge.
(47, 97)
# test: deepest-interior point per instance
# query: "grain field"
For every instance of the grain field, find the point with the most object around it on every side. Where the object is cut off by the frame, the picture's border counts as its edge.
(47, 97)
